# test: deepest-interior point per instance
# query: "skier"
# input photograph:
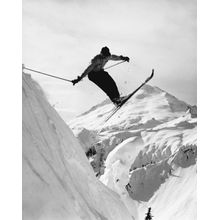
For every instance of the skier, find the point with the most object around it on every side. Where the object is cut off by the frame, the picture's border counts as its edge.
(101, 78)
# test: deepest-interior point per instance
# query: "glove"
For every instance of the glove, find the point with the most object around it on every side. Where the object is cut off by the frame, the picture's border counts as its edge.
(127, 59)
(76, 80)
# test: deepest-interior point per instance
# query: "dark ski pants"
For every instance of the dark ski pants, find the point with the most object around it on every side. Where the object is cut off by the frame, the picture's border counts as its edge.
(104, 81)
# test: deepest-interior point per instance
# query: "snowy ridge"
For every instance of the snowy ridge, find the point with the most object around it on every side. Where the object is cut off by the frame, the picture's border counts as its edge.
(58, 182)
(149, 103)
(150, 107)
(148, 153)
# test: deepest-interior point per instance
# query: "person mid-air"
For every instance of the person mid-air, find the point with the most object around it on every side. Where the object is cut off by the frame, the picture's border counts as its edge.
(100, 77)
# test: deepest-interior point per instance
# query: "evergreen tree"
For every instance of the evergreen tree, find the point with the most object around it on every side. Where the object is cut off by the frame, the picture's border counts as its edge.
(148, 214)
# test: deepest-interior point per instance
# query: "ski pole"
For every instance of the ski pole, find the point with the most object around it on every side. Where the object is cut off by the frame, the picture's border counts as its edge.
(114, 65)
(23, 67)
(46, 74)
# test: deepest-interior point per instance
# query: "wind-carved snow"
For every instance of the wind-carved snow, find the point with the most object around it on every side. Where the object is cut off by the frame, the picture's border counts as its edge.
(149, 149)
(58, 181)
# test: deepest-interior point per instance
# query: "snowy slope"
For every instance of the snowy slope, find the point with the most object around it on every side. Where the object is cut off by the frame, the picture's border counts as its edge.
(58, 181)
(148, 152)
(149, 107)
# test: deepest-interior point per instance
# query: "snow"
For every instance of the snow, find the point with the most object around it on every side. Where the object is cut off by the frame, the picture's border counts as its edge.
(145, 156)
(58, 181)
(176, 198)
(155, 159)
(150, 152)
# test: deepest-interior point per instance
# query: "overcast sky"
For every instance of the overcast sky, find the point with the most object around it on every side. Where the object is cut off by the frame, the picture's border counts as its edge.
(60, 37)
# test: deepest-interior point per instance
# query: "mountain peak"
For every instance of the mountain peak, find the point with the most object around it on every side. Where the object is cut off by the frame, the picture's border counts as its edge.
(149, 102)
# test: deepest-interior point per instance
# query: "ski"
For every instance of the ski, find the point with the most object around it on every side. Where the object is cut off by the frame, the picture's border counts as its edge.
(129, 96)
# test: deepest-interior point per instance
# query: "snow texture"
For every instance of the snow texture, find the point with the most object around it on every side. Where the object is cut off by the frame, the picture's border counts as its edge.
(58, 181)
(144, 156)
(150, 151)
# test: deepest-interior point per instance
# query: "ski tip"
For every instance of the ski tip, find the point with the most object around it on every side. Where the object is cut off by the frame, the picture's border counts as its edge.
(152, 74)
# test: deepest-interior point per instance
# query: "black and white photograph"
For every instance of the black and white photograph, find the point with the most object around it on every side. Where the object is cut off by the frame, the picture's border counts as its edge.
(109, 109)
